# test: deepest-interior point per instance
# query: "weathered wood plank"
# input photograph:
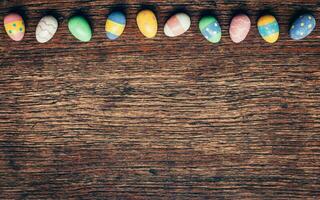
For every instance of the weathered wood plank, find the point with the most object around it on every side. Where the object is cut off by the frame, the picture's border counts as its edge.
(159, 119)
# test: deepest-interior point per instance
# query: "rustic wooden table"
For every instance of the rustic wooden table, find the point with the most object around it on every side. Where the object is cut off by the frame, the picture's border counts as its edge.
(174, 118)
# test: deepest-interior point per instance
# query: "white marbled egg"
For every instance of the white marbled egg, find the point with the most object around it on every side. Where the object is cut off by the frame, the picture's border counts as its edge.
(46, 29)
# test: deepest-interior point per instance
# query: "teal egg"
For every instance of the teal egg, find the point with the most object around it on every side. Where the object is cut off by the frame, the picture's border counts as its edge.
(210, 29)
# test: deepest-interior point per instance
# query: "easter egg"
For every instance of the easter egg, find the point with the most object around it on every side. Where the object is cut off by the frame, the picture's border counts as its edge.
(115, 25)
(268, 28)
(46, 29)
(79, 27)
(210, 29)
(177, 25)
(239, 28)
(147, 23)
(14, 26)
(302, 27)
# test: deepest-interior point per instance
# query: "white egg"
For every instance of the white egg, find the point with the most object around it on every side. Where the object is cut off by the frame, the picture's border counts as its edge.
(46, 29)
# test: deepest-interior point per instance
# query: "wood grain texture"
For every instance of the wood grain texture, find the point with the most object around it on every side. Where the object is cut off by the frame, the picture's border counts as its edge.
(167, 118)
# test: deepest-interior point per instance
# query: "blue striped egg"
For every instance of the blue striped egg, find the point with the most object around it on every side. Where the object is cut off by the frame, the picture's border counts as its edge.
(302, 27)
(115, 25)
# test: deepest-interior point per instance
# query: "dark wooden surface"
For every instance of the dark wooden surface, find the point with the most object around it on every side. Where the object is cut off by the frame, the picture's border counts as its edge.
(159, 119)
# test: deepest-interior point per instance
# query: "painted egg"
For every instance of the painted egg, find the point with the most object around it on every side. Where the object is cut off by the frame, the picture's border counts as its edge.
(210, 29)
(239, 28)
(46, 29)
(14, 26)
(147, 23)
(80, 28)
(177, 25)
(302, 27)
(115, 25)
(269, 28)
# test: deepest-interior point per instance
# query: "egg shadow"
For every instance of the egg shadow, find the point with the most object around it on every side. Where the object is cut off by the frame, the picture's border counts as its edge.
(118, 8)
(240, 11)
(23, 12)
(266, 11)
(84, 14)
(178, 9)
(150, 6)
(240, 6)
(205, 13)
(54, 13)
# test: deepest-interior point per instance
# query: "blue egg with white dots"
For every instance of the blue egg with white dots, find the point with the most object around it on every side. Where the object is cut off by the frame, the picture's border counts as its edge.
(302, 26)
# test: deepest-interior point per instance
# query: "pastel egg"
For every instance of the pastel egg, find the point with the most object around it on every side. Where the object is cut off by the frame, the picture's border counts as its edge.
(14, 26)
(239, 28)
(269, 28)
(79, 27)
(147, 23)
(46, 29)
(210, 29)
(177, 25)
(115, 25)
(302, 27)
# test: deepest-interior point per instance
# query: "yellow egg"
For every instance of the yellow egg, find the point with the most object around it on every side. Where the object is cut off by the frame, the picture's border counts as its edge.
(147, 23)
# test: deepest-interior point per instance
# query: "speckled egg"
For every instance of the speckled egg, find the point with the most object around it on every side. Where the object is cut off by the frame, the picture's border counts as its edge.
(302, 26)
(239, 28)
(14, 26)
(269, 28)
(177, 25)
(115, 25)
(210, 29)
(46, 29)
(147, 23)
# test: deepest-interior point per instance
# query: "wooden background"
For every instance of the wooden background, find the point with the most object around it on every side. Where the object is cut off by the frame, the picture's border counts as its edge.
(176, 118)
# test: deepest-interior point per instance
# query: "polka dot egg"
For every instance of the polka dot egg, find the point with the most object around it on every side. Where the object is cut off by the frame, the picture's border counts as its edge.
(268, 28)
(302, 27)
(14, 26)
(210, 29)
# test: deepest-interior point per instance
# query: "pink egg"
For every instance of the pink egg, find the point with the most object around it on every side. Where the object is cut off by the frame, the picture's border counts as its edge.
(14, 26)
(239, 28)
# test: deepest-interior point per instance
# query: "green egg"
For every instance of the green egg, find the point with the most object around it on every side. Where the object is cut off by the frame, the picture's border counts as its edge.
(79, 27)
